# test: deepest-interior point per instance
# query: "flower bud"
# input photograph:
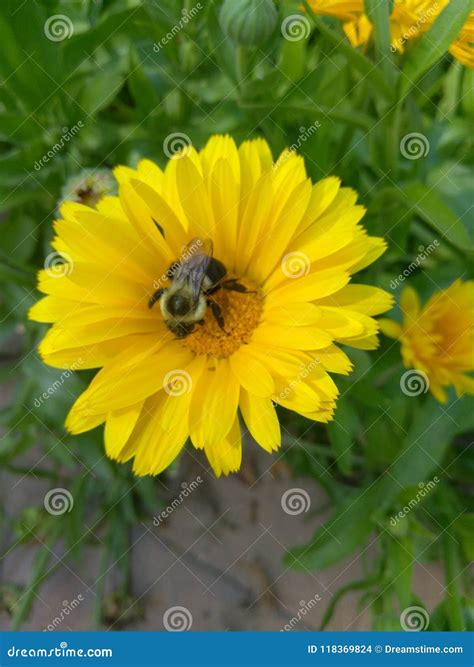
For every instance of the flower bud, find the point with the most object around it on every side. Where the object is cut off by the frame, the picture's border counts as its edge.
(248, 22)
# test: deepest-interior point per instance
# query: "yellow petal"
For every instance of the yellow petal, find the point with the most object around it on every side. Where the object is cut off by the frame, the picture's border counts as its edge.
(226, 456)
(251, 373)
(119, 427)
(390, 328)
(214, 405)
(261, 420)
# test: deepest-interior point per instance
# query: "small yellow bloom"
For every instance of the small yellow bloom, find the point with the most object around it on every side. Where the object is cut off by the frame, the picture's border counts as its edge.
(439, 338)
(292, 245)
(409, 19)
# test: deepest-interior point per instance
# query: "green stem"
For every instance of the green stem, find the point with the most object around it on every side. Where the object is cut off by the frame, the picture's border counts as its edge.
(353, 586)
(452, 570)
(242, 67)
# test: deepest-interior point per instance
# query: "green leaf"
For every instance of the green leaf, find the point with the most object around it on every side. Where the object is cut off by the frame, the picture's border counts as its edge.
(464, 529)
(434, 43)
(467, 94)
(362, 64)
(342, 432)
(102, 88)
(293, 59)
(426, 203)
(453, 570)
(379, 12)
(423, 451)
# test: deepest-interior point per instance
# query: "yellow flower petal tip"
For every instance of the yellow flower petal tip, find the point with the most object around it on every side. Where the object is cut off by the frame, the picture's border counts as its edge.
(206, 294)
(409, 20)
(437, 340)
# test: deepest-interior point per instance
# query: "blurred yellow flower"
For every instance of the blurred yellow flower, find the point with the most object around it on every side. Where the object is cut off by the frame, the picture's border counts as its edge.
(409, 19)
(438, 339)
(266, 334)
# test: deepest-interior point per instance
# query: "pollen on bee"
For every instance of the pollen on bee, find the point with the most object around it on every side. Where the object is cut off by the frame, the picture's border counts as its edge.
(241, 311)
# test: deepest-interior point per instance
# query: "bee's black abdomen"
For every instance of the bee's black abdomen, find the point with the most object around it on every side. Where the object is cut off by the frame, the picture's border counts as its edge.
(216, 271)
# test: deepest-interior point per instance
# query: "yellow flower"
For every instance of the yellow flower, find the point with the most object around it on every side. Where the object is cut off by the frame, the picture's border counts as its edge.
(292, 245)
(438, 340)
(409, 19)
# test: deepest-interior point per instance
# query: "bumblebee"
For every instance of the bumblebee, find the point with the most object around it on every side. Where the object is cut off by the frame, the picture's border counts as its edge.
(195, 277)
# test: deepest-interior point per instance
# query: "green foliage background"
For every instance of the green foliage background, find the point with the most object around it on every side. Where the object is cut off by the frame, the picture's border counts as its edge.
(130, 97)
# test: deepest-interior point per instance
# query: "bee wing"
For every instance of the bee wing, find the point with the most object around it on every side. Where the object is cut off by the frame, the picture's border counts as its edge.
(198, 246)
(192, 266)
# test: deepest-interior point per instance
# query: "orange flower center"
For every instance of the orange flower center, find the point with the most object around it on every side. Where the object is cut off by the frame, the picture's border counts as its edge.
(241, 312)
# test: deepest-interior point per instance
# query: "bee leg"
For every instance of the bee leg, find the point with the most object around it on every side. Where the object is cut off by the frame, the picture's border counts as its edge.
(233, 285)
(216, 311)
(156, 297)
